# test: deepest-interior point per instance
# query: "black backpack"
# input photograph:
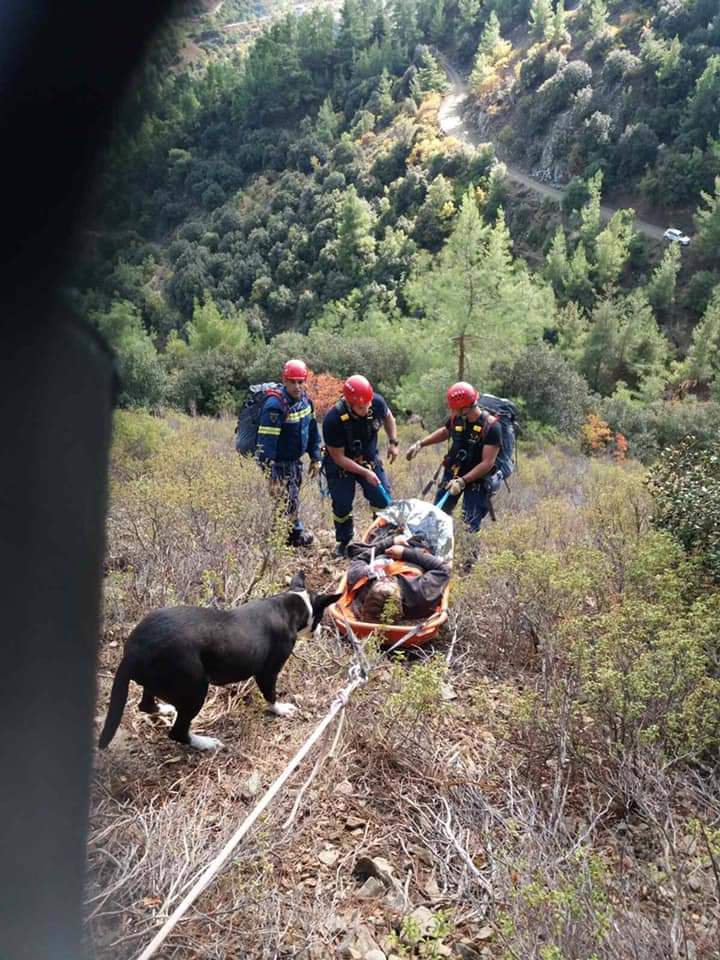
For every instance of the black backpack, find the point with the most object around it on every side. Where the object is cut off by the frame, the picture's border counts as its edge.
(246, 430)
(507, 416)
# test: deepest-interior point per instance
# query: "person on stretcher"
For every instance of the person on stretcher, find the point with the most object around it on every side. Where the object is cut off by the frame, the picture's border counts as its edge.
(403, 582)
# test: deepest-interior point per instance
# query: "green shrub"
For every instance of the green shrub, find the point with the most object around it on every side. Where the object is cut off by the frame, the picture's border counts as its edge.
(643, 665)
(685, 484)
(554, 393)
(137, 437)
(651, 428)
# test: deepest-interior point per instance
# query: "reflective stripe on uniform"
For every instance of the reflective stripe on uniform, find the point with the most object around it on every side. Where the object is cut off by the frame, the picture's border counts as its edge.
(273, 431)
(298, 415)
(342, 519)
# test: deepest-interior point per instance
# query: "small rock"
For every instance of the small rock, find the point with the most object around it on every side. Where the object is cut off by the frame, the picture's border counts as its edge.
(354, 823)
(424, 919)
(466, 951)
(358, 943)
(251, 787)
(431, 889)
(329, 857)
(395, 899)
(375, 867)
(447, 692)
(371, 888)
(344, 788)
(374, 955)
(485, 933)
(424, 856)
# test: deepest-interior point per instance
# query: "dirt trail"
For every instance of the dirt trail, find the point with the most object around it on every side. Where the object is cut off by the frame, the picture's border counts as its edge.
(452, 122)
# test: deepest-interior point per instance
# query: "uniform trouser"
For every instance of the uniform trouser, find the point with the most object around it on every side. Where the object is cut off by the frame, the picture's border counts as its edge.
(342, 494)
(476, 497)
(286, 479)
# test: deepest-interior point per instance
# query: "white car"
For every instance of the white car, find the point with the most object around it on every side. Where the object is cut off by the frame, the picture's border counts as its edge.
(676, 236)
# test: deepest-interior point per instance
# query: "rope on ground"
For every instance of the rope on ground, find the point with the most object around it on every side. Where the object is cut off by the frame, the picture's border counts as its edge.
(358, 676)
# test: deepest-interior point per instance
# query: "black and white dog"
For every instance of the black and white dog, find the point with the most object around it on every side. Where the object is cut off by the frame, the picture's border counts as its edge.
(177, 652)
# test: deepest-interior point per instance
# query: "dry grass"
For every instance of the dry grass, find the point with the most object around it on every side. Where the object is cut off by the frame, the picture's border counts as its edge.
(479, 803)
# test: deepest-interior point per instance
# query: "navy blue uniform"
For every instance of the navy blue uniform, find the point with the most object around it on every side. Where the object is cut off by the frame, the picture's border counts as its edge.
(358, 437)
(466, 450)
(288, 429)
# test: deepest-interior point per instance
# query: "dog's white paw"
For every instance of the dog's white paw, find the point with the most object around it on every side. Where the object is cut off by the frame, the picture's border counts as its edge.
(204, 743)
(166, 710)
(283, 709)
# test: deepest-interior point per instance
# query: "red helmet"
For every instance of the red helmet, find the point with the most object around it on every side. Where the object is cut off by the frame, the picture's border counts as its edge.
(461, 395)
(357, 389)
(295, 370)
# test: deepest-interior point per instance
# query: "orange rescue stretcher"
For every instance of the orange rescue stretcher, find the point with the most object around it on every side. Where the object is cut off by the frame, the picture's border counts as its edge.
(420, 517)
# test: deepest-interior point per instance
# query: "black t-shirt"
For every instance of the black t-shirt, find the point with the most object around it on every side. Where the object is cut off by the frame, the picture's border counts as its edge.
(468, 439)
(421, 594)
(364, 429)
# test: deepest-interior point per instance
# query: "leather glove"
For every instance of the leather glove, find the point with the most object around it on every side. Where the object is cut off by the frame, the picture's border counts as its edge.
(413, 450)
(456, 486)
(314, 469)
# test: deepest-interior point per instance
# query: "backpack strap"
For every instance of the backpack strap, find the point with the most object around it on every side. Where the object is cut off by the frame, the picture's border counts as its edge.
(488, 420)
(346, 423)
(279, 394)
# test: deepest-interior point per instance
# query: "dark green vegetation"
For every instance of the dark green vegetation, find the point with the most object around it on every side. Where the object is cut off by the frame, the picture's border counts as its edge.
(298, 198)
(629, 88)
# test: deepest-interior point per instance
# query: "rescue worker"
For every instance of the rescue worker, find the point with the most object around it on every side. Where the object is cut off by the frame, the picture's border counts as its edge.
(350, 432)
(470, 470)
(287, 430)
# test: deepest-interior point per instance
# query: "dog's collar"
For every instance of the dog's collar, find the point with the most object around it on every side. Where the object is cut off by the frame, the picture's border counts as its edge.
(306, 597)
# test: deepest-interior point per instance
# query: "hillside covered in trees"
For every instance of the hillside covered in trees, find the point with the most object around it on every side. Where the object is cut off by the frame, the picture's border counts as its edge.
(299, 198)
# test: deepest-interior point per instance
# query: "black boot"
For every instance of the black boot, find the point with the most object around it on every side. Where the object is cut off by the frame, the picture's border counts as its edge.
(301, 539)
(340, 551)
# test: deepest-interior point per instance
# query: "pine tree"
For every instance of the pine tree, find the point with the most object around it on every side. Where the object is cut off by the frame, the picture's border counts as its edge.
(623, 344)
(403, 14)
(703, 359)
(469, 10)
(355, 241)
(210, 330)
(559, 35)
(556, 261)
(497, 190)
(383, 100)
(482, 72)
(475, 287)
(578, 286)
(597, 14)
(661, 287)
(540, 21)
(572, 326)
(437, 21)
(328, 122)
(612, 247)
(490, 37)
(590, 213)
(707, 221)
(703, 109)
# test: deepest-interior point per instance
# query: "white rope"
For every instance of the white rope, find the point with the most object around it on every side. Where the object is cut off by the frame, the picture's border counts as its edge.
(357, 679)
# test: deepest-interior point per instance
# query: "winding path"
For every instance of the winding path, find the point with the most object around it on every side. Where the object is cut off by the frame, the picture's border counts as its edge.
(452, 123)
